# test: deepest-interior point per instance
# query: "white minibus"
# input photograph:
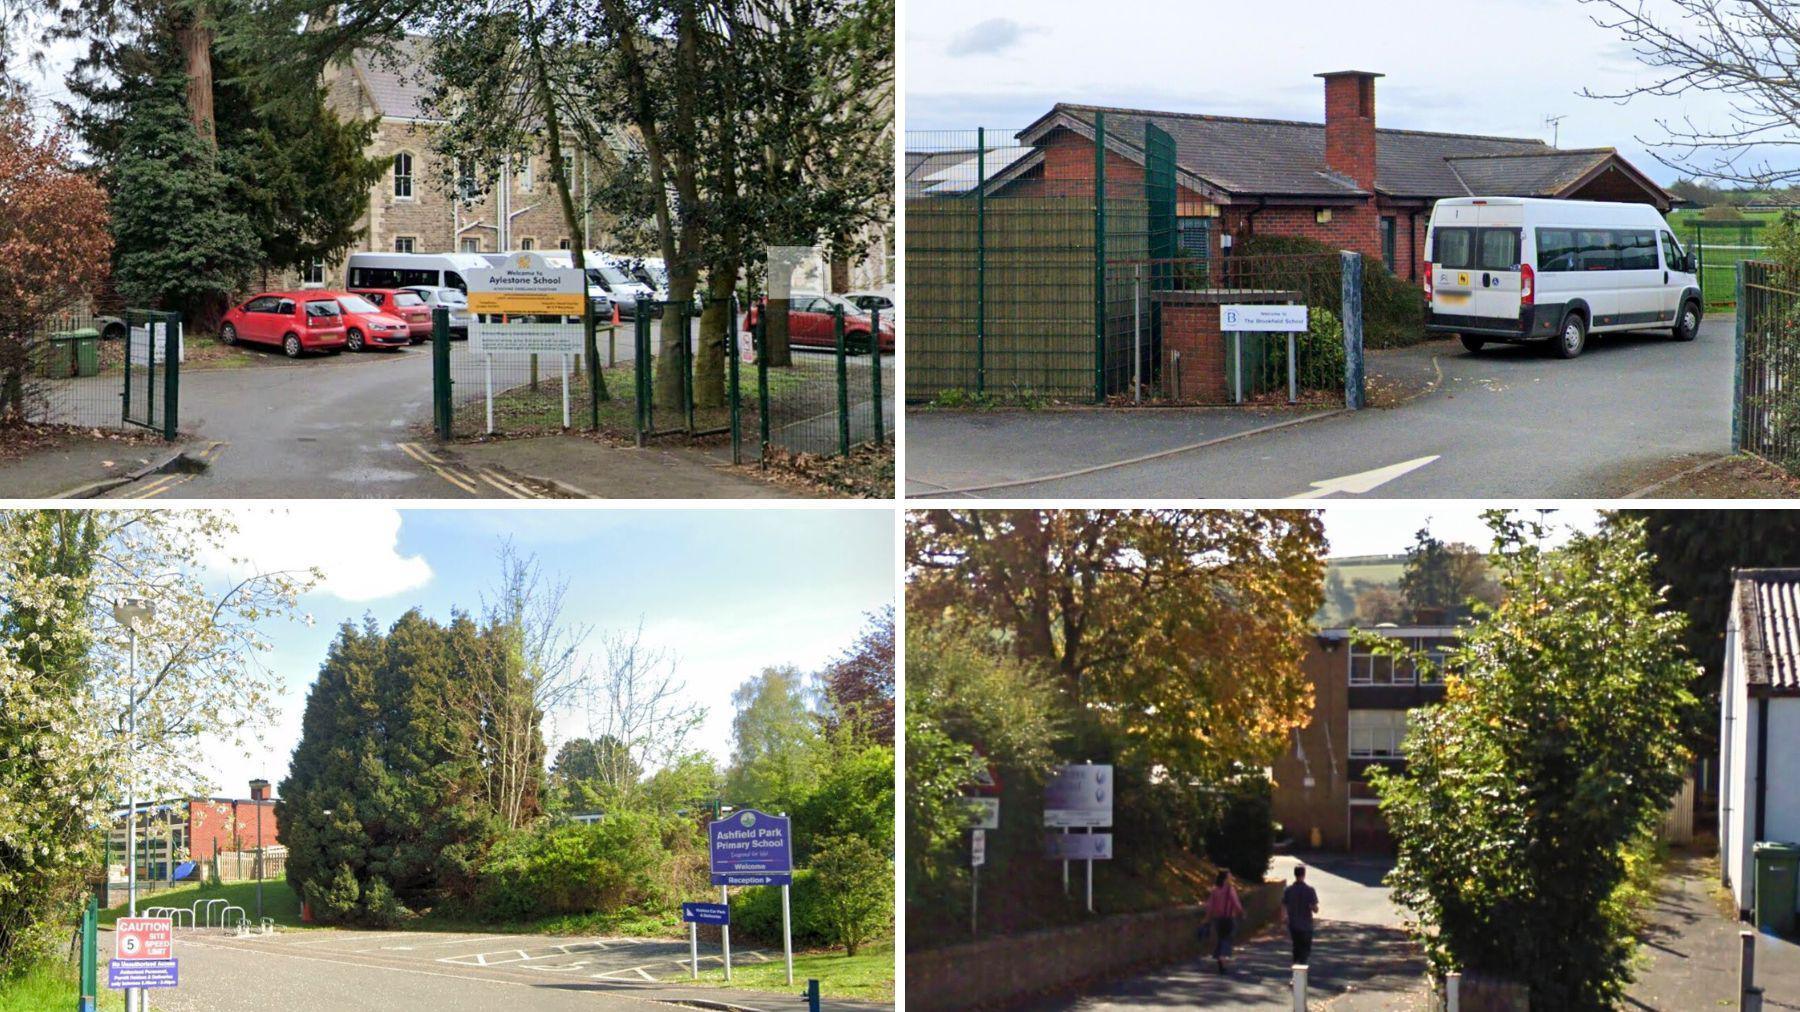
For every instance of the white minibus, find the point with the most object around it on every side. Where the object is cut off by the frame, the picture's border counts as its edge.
(1516, 269)
(407, 270)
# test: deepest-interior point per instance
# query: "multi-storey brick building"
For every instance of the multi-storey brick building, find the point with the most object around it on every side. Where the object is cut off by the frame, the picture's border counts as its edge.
(1360, 703)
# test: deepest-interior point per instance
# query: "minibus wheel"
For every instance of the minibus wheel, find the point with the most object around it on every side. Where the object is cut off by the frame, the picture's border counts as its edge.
(1474, 344)
(1687, 325)
(1572, 337)
(290, 346)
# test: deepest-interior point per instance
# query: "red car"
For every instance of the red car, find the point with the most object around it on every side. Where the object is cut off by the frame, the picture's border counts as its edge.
(810, 323)
(367, 325)
(405, 304)
(296, 321)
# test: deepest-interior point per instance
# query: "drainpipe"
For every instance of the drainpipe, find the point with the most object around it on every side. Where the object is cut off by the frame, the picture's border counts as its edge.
(1762, 761)
(1412, 245)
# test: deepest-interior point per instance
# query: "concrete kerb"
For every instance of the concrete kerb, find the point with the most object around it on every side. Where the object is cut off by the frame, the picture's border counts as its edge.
(1703, 466)
(708, 1003)
(1141, 458)
(182, 461)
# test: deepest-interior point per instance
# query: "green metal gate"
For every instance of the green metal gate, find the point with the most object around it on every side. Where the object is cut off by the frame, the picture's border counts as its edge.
(152, 391)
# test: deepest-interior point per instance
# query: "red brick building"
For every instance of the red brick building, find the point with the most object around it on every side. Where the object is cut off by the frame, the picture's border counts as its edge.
(1345, 182)
(197, 828)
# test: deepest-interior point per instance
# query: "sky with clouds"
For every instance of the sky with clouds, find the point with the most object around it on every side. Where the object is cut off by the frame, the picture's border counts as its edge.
(1462, 66)
(726, 591)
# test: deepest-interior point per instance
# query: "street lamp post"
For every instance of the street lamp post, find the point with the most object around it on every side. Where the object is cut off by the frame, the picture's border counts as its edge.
(257, 789)
(131, 612)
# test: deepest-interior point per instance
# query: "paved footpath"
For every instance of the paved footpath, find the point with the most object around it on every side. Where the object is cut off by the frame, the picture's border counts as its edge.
(1692, 949)
(377, 971)
(1361, 960)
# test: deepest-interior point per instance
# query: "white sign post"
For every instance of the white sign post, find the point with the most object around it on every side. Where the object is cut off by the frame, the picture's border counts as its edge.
(1080, 796)
(525, 284)
(1264, 319)
(977, 858)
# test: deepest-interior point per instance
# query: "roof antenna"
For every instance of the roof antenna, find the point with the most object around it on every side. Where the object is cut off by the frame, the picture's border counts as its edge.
(1555, 125)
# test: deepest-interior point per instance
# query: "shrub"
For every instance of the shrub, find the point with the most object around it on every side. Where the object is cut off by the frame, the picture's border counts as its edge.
(756, 912)
(856, 890)
(570, 868)
(333, 901)
(1243, 837)
(1393, 307)
(380, 908)
(1721, 212)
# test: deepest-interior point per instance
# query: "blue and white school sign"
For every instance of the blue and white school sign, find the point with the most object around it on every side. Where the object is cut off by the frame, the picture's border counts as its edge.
(751, 848)
(706, 913)
(133, 973)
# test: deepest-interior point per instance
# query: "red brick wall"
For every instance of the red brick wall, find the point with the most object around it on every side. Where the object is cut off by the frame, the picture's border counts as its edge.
(230, 825)
(1350, 127)
(1193, 331)
(1353, 228)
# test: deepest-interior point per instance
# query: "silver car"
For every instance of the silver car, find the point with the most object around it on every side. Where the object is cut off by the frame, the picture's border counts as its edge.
(452, 299)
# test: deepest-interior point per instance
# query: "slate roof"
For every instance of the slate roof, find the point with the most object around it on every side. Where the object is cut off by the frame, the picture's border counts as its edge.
(1768, 614)
(397, 83)
(953, 172)
(1266, 157)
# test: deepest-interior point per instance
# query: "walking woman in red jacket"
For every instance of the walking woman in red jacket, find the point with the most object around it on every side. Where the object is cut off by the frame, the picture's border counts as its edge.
(1223, 908)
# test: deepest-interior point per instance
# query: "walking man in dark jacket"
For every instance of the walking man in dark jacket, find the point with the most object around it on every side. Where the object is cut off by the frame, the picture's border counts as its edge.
(1299, 902)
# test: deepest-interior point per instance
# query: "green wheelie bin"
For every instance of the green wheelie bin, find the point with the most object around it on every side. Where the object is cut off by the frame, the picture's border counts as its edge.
(1777, 865)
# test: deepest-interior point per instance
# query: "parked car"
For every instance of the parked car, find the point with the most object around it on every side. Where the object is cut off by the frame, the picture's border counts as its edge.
(872, 299)
(452, 299)
(405, 303)
(810, 317)
(297, 322)
(653, 272)
(366, 326)
(1518, 269)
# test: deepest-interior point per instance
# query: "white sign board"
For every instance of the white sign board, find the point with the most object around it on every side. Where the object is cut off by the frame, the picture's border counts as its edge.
(978, 848)
(521, 338)
(527, 283)
(1277, 319)
(153, 339)
(1080, 796)
(1078, 846)
(983, 813)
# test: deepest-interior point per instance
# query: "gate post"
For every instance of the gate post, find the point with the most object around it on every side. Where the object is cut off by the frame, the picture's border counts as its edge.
(980, 262)
(171, 374)
(759, 336)
(90, 947)
(875, 372)
(843, 381)
(642, 367)
(731, 351)
(1099, 258)
(1352, 316)
(440, 371)
(1737, 370)
(687, 361)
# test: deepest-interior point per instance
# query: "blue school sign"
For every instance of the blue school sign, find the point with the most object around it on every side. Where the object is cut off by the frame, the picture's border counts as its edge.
(706, 913)
(751, 848)
(127, 973)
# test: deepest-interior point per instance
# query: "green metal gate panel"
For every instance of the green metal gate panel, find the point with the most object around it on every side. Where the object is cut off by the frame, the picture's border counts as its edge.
(152, 390)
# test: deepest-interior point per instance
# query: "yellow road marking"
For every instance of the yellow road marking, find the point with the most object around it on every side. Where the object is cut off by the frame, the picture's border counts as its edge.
(466, 477)
(155, 487)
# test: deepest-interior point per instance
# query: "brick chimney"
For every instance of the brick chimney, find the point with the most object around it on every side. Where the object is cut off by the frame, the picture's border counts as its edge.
(259, 790)
(1350, 125)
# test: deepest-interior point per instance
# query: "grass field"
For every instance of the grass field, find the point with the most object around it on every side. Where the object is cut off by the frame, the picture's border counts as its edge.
(52, 985)
(1722, 246)
(279, 901)
(869, 975)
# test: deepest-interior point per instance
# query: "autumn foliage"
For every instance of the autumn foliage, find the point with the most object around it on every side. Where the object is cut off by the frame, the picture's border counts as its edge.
(54, 243)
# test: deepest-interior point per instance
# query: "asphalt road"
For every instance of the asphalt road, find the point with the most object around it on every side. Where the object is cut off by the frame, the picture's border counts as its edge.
(1511, 422)
(1361, 959)
(362, 971)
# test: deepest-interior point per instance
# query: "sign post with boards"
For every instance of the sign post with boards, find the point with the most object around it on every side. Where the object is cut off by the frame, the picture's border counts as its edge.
(143, 955)
(749, 847)
(696, 914)
(523, 306)
(1263, 319)
(1079, 796)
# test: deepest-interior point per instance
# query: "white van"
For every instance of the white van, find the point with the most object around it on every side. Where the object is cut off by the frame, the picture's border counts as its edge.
(407, 270)
(1520, 269)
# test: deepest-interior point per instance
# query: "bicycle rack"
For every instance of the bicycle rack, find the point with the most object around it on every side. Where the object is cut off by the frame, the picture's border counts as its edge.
(175, 914)
(226, 913)
(206, 921)
(268, 925)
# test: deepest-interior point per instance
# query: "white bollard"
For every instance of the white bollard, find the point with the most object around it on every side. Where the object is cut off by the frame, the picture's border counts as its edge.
(1300, 987)
(1452, 991)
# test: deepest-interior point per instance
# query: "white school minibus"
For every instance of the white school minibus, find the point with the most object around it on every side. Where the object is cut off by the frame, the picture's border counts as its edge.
(1516, 269)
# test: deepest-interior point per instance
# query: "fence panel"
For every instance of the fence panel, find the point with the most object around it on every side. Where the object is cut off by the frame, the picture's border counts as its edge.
(837, 392)
(1719, 245)
(1766, 415)
(65, 371)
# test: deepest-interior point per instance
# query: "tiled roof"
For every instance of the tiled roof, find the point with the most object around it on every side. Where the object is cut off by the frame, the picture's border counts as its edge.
(951, 173)
(398, 82)
(1768, 613)
(1287, 158)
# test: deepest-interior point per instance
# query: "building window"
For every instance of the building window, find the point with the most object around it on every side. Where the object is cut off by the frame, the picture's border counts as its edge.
(313, 273)
(403, 244)
(403, 176)
(528, 244)
(527, 176)
(1388, 223)
(1377, 734)
(1370, 668)
(471, 245)
(562, 243)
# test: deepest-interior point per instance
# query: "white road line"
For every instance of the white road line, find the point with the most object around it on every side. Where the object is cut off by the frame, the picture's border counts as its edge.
(444, 941)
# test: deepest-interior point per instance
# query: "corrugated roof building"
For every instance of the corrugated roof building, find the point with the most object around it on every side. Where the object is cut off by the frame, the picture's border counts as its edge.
(1759, 723)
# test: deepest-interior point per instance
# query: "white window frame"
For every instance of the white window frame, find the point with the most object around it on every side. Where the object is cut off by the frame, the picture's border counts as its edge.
(528, 243)
(470, 244)
(407, 176)
(467, 185)
(405, 244)
(565, 243)
(313, 274)
(1380, 735)
(527, 175)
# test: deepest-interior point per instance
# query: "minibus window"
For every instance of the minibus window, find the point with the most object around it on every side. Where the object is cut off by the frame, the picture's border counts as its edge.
(1637, 251)
(1453, 247)
(1598, 250)
(409, 276)
(1672, 253)
(1499, 249)
(1556, 250)
(454, 280)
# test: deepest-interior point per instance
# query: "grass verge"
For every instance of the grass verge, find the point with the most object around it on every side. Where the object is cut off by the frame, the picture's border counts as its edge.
(52, 985)
(866, 976)
(278, 901)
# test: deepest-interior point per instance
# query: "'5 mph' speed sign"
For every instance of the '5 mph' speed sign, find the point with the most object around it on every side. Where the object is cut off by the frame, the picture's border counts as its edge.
(144, 938)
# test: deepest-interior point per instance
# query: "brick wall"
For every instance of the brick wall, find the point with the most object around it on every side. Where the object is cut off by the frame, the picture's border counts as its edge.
(1192, 331)
(1325, 805)
(1013, 969)
(229, 825)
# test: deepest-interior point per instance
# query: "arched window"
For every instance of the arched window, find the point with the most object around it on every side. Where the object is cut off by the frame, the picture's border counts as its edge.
(403, 176)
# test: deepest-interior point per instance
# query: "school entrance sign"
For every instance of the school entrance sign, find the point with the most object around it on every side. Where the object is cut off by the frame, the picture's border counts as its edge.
(746, 848)
(525, 306)
(143, 954)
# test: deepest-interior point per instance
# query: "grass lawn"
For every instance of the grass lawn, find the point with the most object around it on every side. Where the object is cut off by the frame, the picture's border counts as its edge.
(279, 901)
(869, 975)
(52, 985)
